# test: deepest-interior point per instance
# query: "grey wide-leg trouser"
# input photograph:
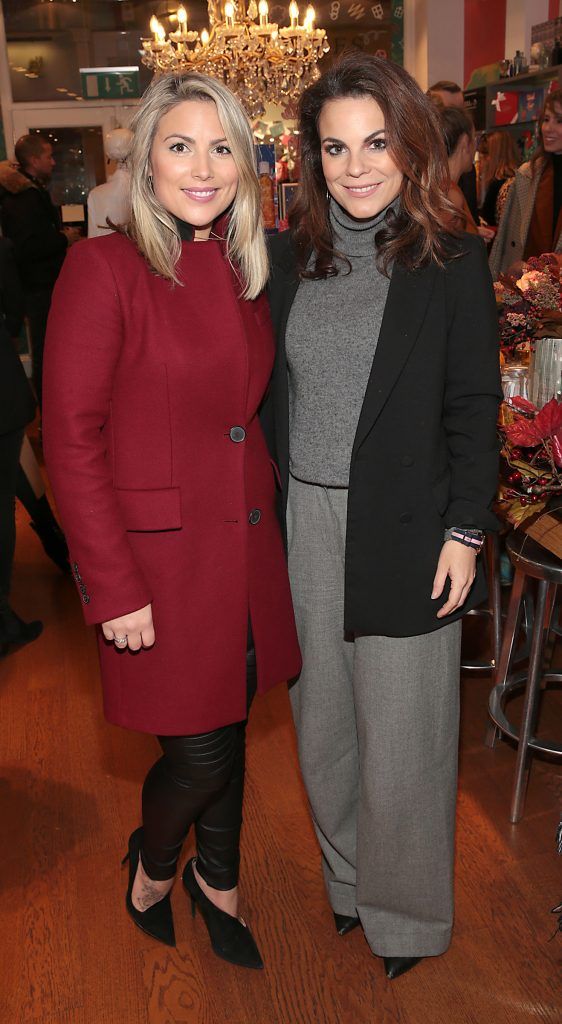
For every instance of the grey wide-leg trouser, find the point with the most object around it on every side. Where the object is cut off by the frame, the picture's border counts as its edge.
(377, 725)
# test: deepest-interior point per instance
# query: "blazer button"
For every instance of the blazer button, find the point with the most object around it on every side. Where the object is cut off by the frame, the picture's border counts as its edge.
(406, 460)
(405, 518)
(85, 599)
(254, 517)
(237, 434)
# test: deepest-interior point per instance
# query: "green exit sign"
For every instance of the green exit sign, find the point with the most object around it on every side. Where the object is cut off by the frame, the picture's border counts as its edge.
(110, 83)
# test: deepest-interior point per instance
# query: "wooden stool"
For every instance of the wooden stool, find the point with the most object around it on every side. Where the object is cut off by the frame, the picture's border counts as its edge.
(530, 560)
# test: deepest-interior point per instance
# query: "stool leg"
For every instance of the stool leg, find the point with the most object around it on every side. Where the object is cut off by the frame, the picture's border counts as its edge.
(547, 626)
(494, 583)
(509, 640)
(544, 598)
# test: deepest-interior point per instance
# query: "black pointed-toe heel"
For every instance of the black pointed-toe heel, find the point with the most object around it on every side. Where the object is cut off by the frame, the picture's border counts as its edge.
(157, 920)
(230, 938)
(345, 924)
(397, 965)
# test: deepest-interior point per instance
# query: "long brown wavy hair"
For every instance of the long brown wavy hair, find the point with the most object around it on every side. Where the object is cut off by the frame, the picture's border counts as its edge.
(539, 158)
(423, 227)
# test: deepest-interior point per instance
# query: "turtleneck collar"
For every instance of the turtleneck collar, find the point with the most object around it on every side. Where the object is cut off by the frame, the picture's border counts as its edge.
(185, 231)
(357, 237)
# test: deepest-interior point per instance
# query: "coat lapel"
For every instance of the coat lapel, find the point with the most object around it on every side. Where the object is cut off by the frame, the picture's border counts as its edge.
(406, 304)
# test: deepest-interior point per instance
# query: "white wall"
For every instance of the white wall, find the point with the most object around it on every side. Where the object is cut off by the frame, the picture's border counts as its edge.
(434, 40)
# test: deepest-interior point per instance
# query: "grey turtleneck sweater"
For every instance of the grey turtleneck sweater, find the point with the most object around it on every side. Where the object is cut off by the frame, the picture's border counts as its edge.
(332, 334)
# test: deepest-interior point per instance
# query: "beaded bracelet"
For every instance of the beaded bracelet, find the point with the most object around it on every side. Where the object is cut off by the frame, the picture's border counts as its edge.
(470, 538)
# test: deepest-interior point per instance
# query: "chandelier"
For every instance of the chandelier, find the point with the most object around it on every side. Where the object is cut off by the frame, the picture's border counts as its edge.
(256, 59)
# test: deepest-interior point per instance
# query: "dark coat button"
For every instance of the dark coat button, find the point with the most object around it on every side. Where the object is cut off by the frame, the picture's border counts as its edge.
(406, 460)
(254, 517)
(85, 599)
(405, 517)
(237, 434)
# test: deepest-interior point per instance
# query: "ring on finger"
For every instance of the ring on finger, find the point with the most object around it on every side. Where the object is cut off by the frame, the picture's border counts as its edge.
(120, 640)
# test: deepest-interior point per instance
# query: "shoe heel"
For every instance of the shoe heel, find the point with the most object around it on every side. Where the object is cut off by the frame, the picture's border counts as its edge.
(125, 859)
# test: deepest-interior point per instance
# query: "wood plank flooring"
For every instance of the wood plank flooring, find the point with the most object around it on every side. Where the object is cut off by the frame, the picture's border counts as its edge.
(69, 796)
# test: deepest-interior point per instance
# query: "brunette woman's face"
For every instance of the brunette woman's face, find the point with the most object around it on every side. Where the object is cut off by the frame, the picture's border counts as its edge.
(193, 171)
(551, 129)
(359, 170)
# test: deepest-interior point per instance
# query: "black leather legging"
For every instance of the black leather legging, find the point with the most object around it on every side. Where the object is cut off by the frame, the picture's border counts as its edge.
(200, 781)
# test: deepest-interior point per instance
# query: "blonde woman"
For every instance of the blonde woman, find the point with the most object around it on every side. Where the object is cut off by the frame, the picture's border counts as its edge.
(159, 353)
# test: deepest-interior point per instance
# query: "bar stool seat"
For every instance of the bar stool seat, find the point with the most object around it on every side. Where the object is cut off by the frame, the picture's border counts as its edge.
(530, 560)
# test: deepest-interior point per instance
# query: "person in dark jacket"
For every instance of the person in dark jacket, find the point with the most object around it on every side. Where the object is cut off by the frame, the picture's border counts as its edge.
(17, 409)
(32, 222)
(382, 418)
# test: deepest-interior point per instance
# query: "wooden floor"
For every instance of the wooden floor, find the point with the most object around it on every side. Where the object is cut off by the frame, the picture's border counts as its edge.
(69, 796)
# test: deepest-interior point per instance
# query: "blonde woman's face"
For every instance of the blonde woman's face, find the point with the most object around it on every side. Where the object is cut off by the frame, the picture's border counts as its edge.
(193, 170)
(359, 170)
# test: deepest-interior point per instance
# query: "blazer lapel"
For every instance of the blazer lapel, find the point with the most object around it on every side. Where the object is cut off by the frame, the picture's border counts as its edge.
(406, 304)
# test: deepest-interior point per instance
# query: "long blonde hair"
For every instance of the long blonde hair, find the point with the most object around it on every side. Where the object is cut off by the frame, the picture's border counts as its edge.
(152, 227)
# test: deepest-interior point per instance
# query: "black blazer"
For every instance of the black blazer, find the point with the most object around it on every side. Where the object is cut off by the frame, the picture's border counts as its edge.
(425, 454)
(17, 405)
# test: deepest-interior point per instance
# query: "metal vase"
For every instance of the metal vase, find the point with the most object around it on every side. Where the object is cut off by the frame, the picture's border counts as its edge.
(545, 371)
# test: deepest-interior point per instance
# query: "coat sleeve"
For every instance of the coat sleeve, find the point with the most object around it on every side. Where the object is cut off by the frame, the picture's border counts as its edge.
(503, 252)
(472, 389)
(83, 346)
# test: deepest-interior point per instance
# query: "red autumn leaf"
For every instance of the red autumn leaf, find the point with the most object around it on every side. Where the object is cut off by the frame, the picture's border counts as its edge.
(523, 404)
(524, 433)
(557, 448)
(549, 420)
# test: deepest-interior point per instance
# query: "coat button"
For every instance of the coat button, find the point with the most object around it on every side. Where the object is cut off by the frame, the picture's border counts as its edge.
(237, 434)
(405, 517)
(406, 460)
(254, 517)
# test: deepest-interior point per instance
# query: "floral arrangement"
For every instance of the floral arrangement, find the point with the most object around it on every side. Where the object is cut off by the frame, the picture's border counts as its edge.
(529, 301)
(531, 457)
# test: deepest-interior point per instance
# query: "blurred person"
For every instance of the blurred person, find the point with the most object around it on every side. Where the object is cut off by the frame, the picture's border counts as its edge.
(109, 205)
(31, 493)
(32, 222)
(531, 222)
(159, 352)
(458, 135)
(501, 166)
(382, 419)
(17, 409)
(449, 94)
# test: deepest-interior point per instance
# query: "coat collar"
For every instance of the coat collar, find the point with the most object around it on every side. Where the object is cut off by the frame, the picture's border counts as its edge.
(407, 301)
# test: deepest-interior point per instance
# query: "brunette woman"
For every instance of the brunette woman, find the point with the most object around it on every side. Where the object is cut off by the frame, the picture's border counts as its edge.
(384, 402)
(531, 222)
(501, 167)
(159, 352)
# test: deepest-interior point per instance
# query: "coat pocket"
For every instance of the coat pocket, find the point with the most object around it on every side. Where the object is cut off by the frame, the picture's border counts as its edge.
(150, 510)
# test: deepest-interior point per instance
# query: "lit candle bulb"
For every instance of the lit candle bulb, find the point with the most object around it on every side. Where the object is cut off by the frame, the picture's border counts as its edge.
(229, 14)
(263, 11)
(204, 37)
(294, 14)
(310, 17)
(160, 33)
(154, 26)
(182, 20)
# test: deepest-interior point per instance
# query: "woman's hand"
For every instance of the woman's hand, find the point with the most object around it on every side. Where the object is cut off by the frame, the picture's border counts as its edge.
(458, 562)
(134, 630)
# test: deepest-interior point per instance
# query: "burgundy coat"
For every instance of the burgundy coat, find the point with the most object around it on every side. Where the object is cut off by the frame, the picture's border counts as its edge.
(163, 480)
